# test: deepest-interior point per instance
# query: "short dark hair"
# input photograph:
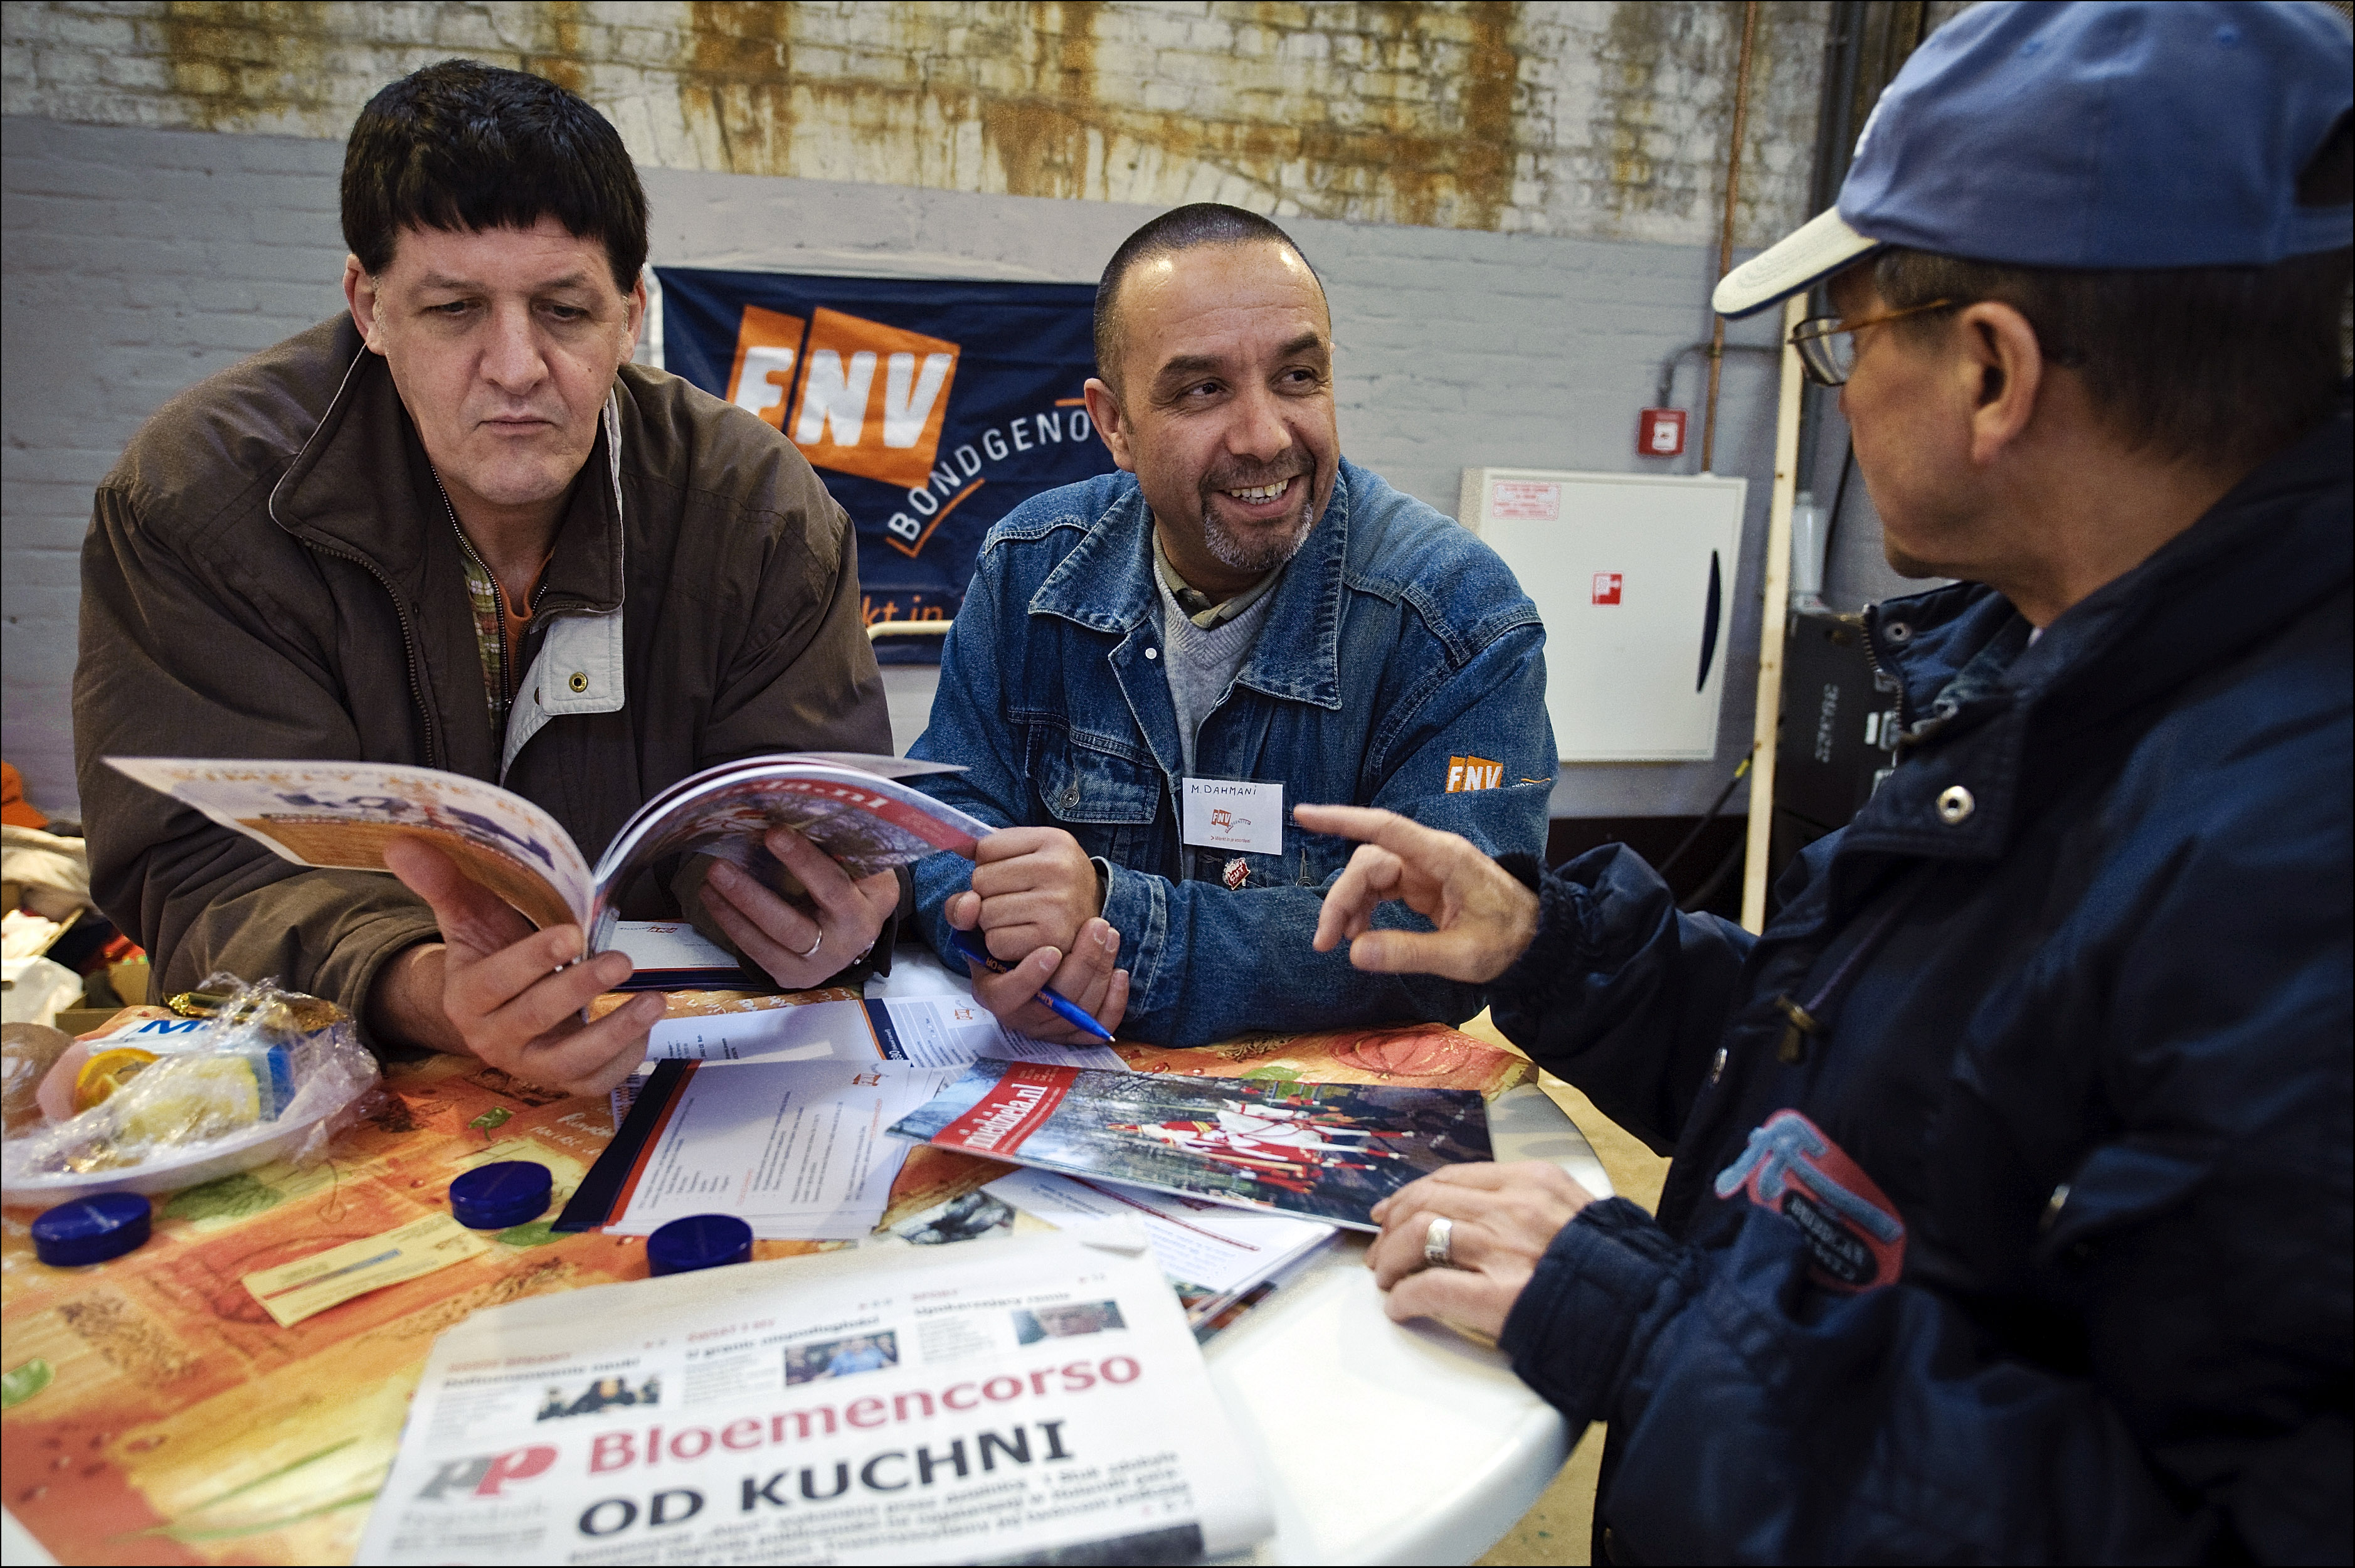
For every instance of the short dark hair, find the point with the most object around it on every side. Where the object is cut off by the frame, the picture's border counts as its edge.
(1179, 229)
(2221, 365)
(467, 146)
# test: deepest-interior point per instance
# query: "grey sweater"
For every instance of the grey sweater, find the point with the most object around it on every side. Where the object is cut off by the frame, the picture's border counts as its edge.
(1202, 664)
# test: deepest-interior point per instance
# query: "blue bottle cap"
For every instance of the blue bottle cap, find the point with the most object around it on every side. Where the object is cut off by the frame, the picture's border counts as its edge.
(699, 1241)
(494, 1197)
(91, 1230)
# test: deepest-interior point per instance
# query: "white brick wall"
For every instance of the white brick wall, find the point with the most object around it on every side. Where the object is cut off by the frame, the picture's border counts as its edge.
(142, 251)
(1600, 118)
(136, 262)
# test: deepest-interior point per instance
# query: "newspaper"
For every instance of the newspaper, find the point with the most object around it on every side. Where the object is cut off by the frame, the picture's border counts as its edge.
(1035, 1401)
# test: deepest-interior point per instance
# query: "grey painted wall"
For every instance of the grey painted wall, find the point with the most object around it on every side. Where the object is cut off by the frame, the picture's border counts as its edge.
(137, 260)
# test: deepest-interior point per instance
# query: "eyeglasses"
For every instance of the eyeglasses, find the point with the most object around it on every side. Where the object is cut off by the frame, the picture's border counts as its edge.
(1827, 345)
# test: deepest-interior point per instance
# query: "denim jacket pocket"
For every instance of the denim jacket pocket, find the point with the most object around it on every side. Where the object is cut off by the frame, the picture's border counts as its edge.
(1107, 801)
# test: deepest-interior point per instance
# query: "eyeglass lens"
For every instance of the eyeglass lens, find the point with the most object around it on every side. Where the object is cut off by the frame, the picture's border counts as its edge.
(1828, 357)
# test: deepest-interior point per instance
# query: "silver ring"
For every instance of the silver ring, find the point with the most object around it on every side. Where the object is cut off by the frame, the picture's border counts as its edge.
(815, 945)
(1438, 1244)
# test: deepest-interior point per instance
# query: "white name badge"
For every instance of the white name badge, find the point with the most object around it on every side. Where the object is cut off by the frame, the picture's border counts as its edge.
(1233, 814)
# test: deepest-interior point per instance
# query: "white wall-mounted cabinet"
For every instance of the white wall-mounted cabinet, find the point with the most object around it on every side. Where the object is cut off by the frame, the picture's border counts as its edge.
(1634, 575)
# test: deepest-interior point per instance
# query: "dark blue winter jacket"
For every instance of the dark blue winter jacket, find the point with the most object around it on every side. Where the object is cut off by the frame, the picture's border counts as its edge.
(2031, 1241)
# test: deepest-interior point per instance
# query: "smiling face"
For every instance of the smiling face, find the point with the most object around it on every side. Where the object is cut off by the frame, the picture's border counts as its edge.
(1224, 407)
(503, 343)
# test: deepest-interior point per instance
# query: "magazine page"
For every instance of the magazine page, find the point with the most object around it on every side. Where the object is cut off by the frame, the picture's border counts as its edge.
(340, 815)
(1329, 1151)
(866, 823)
(870, 763)
(873, 762)
(795, 1149)
(1210, 1253)
(1429, 1056)
(1033, 1401)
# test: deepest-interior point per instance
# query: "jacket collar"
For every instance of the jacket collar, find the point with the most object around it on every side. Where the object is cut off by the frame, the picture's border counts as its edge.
(1105, 583)
(1980, 704)
(341, 494)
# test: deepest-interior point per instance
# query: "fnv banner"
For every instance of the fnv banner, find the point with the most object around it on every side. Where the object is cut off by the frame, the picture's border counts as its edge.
(931, 409)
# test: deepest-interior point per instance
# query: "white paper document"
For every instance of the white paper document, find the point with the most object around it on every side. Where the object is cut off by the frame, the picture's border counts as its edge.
(924, 1031)
(1210, 1253)
(1035, 1401)
(672, 955)
(795, 1149)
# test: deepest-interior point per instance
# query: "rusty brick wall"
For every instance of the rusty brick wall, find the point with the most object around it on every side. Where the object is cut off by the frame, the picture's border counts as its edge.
(1602, 120)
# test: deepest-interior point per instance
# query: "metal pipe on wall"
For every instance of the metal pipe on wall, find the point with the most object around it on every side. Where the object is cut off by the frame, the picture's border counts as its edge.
(1725, 238)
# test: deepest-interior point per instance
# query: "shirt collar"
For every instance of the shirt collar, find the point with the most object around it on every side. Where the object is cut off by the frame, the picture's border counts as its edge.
(1197, 606)
(1106, 583)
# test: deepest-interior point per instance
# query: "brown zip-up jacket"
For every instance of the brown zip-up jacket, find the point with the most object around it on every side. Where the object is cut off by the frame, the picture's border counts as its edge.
(270, 572)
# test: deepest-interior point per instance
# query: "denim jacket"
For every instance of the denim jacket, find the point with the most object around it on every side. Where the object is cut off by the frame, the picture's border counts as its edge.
(1399, 662)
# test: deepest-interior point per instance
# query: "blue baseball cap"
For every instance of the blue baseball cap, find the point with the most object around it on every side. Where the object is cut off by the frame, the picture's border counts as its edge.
(2107, 133)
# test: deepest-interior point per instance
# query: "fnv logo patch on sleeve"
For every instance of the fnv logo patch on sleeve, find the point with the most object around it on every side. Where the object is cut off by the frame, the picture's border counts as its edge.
(1850, 1226)
(1474, 772)
(930, 407)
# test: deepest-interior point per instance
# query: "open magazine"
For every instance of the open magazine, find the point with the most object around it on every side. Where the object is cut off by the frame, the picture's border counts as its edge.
(1329, 1151)
(1033, 1401)
(342, 814)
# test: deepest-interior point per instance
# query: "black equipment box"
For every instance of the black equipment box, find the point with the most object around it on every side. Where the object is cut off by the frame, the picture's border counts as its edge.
(1838, 734)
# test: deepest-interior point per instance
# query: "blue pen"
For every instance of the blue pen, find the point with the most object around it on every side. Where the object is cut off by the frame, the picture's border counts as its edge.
(1071, 1012)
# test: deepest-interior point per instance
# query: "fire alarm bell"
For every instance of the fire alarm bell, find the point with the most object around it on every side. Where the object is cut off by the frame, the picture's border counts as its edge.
(1660, 433)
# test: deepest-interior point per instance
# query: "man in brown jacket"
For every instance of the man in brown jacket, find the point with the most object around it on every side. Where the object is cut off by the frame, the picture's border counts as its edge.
(458, 530)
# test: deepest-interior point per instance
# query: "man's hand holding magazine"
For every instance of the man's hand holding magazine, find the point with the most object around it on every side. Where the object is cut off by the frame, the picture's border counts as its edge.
(493, 987)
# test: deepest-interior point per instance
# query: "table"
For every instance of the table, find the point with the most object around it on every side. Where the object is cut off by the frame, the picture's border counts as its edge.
(180, 1425)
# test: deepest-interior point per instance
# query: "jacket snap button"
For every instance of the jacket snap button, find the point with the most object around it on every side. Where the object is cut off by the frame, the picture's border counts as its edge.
(579, 680)
(1898, 632)
(1956, 805)
(1153, 653)
(1068, 799)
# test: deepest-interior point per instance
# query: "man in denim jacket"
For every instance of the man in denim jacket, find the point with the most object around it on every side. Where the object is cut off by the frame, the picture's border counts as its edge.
(1240, 604)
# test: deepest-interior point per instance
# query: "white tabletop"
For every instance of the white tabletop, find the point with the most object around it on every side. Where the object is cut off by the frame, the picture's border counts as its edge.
(1381, 1441)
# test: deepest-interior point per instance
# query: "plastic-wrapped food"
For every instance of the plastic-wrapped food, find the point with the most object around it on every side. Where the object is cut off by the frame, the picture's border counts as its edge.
(27, 1052)
(158, 1104)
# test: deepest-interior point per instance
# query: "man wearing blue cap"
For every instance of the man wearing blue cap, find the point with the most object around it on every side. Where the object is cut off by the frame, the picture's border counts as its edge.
(2009, 1217)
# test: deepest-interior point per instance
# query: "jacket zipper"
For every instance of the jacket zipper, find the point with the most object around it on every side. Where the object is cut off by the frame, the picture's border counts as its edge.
(408, 635)
(1872, 662)
(408, 647)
